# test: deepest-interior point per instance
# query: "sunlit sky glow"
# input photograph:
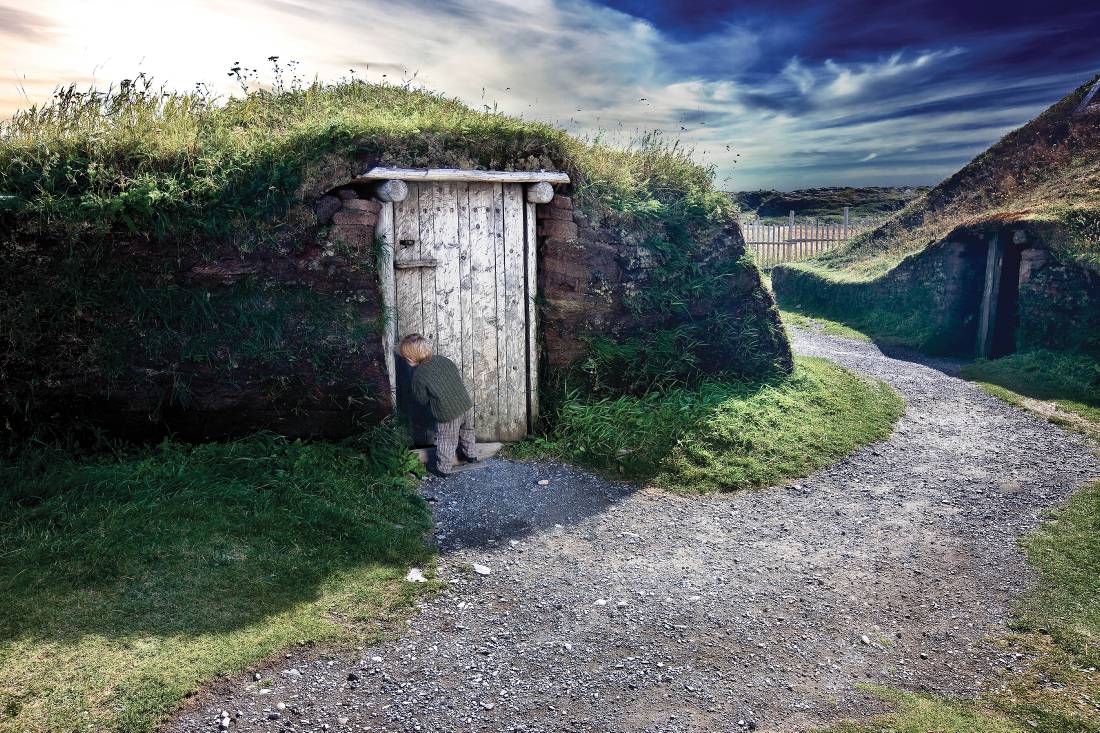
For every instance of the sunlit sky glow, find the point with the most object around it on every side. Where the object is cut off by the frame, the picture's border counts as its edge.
(850, 92)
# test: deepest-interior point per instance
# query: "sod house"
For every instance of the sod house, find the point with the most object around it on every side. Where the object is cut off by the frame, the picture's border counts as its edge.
(252, 264)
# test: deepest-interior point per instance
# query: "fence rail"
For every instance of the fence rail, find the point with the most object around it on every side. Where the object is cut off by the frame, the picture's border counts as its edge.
(796, 240)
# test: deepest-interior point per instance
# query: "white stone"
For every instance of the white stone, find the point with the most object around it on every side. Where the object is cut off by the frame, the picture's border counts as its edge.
(416, 575)
(544, 482)
(481, 569)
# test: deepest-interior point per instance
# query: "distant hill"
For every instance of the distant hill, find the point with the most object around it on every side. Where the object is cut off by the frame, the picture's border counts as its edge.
(827, 203)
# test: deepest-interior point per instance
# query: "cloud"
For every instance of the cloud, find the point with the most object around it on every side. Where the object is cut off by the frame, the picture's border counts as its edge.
(24, 25)
(869, 156)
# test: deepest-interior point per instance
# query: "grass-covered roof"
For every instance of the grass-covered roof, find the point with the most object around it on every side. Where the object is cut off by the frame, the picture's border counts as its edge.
(188, 166)
(1047, 172)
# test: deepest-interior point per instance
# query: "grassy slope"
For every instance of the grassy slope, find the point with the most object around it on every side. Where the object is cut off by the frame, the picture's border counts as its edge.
(1056, 689)
(720, 436)
(125, 582)
(175, 166)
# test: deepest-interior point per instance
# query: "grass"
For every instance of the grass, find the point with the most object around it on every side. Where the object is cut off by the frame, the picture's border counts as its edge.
(724, 435)
(822, 325)
(1056, 688)
(1069, 382)
(126, 581)
(165, 166)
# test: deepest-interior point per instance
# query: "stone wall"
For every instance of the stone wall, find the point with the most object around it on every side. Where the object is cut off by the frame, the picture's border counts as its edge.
(1059, 303)
(211, 343)
(930, 300)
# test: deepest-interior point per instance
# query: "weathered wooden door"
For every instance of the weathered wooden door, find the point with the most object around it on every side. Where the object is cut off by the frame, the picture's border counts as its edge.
(461, 272)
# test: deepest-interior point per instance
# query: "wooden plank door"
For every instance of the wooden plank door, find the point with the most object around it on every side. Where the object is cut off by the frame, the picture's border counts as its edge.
(462, 265)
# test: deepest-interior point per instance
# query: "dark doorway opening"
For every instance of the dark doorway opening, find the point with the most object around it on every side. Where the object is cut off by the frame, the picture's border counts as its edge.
(1007, 312)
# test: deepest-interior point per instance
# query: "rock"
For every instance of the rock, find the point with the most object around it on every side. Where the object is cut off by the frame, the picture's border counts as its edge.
(257, 676)
(274, 716)
(416, 575)
(599, 602)
(481, 569)
(544, 482)
(291, 673)
(488, 705)
(342, 721)
(352, 677)
(864, 639)
(280, 706)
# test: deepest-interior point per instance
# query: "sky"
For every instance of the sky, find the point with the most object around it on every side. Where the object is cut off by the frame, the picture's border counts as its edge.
(778, 94)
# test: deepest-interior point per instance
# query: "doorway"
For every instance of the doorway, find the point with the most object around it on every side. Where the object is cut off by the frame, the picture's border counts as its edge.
(463, 277)
(1000, 312)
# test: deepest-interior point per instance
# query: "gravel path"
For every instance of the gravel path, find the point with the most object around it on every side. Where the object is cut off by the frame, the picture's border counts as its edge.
(615, 609)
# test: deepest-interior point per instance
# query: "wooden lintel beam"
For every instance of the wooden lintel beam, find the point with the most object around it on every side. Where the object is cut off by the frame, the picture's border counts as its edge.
(457, 174)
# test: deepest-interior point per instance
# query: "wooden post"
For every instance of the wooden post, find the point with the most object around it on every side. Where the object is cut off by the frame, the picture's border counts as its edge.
(385, 230)
(845, 223)
(987, 320)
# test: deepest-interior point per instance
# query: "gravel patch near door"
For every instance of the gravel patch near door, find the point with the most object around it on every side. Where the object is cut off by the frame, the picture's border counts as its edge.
(609, 608)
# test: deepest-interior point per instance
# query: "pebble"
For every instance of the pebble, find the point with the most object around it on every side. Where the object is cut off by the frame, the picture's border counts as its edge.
(416, 575)
(481, 569)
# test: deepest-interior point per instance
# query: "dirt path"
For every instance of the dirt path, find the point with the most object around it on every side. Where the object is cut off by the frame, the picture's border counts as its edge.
(611, 609)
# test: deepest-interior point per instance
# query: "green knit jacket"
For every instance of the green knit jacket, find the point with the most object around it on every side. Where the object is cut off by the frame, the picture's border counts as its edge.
(437, 384)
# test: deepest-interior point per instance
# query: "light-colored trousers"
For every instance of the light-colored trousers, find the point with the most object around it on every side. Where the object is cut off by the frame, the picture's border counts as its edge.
(449, 436)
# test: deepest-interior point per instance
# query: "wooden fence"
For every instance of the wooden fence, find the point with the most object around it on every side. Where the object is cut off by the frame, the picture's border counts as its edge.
(796, 240)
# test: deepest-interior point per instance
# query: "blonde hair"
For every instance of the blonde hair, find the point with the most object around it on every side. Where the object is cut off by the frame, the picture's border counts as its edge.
(415, 347)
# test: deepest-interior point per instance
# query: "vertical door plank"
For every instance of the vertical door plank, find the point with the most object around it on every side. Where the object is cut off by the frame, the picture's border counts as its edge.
(427, 251)
(406, 213)
(497, 217)
(388, 284)
(531, 286)
(483, 228)
(514, 416)
(448, 316)
(465, 287)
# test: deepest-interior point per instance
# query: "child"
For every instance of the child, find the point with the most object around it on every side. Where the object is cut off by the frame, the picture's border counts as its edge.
(437, 384)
